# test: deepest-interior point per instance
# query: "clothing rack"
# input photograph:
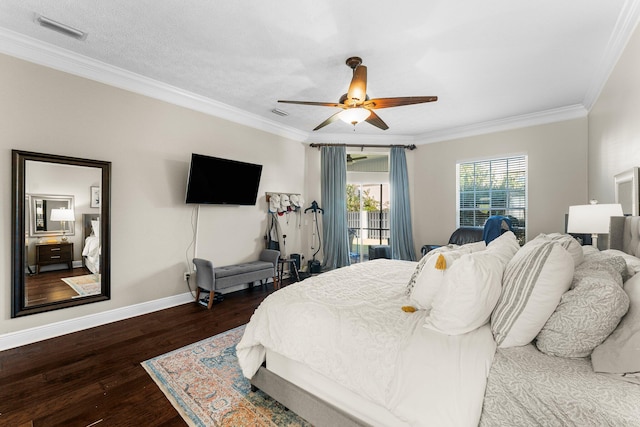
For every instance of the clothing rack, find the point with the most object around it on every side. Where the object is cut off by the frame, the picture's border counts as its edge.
(362, 146)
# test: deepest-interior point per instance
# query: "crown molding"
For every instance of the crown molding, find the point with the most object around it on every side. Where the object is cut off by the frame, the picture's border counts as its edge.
(543, 117)
(48, 55)
(355, 138)
(626, 24)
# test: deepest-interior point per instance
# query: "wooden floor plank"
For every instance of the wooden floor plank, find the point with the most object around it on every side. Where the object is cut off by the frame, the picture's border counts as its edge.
(95, 375)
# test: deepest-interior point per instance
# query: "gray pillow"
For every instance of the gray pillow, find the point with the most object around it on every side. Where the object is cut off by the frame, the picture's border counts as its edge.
(587, 313)
(620, 353)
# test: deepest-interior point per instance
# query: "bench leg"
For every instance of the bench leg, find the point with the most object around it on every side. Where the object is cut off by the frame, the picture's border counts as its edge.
(211, 298)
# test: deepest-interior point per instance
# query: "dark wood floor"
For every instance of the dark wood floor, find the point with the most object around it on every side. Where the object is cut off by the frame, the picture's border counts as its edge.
(48, 286)
(95, 376)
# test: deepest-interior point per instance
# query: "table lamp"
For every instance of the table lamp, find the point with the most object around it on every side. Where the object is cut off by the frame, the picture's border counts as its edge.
(592, 219)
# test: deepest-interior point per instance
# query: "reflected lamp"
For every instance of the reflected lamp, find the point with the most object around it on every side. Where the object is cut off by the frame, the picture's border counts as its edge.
(63, 215)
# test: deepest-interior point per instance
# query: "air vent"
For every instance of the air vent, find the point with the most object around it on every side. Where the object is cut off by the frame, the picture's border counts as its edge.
(279, 112)
(60, 27)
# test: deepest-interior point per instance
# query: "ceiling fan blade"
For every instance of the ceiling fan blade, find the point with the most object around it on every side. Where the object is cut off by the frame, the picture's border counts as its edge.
(328, 121)
(375, 120)
(321, 104)
(377, 103)
(358, 88)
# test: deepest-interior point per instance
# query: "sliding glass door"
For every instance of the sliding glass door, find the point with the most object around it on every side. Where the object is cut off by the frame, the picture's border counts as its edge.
(367, 218)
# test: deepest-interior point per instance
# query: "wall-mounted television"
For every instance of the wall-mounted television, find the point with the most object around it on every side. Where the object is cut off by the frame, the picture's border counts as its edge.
(217, 181)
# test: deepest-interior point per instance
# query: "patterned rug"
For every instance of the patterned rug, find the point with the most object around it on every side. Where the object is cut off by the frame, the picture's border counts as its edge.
(204, 383)
(84, 285)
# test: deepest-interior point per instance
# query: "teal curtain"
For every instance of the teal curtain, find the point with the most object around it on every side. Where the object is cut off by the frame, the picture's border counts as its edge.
(400, 209)
(335, 232)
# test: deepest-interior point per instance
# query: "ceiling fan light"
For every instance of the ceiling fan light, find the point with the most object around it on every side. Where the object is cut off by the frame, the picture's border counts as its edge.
(353, 116)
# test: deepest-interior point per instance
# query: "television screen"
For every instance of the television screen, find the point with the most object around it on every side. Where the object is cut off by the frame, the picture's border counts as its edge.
(222, 182)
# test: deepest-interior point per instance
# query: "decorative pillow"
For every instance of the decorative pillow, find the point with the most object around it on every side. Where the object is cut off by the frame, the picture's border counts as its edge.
(587, 313)
(568, 242)
(620, 352)
(633, 263)
(602, 261)
(471, 288)
(470, 247)
(533, 283)
(432, 276)
(421, 264)
(95, 226)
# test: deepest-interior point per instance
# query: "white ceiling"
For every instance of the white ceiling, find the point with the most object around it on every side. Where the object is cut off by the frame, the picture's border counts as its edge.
(493, 64)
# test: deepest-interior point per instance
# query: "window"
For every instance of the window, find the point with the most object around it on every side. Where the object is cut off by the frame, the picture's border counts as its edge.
(493, 187)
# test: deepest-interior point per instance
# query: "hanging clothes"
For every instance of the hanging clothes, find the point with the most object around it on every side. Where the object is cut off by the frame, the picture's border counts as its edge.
(273, 235)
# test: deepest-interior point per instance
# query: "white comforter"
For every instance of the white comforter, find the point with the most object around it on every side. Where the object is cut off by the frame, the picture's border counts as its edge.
(348, 325)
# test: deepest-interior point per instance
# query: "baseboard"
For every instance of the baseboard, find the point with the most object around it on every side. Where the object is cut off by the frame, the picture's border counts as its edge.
(52, 330)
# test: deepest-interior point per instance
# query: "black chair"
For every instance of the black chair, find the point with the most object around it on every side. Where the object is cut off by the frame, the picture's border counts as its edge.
(461, 236)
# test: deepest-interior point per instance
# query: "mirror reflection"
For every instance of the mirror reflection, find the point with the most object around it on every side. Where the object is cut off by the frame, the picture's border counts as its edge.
(48, 217)
(61, 239)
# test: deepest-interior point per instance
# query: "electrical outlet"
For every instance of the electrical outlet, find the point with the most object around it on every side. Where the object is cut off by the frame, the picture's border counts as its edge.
(186, 276)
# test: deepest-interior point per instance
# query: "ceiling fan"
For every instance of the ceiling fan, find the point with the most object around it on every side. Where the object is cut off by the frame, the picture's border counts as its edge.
(356, 105)
(351, 159)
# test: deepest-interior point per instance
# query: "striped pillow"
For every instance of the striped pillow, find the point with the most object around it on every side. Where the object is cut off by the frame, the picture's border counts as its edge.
(532, 285)
(568, 242)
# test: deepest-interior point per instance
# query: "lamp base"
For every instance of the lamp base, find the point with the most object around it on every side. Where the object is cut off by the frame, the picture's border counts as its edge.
(64, 239)
(594, 240)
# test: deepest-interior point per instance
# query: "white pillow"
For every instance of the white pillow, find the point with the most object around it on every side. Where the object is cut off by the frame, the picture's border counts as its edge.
(470, 247)
(431, 278)
(471, 288)
(428, 279)
(95, 226)
(620, 352)
(589, 250)
(534, 281)
(421, 264)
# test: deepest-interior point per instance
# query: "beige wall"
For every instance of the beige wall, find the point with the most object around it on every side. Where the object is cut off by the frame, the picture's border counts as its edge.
(614, 124)
(149, 143)
(557, 178)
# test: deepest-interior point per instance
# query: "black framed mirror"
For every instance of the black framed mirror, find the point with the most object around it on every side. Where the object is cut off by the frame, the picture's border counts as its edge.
(61, 232)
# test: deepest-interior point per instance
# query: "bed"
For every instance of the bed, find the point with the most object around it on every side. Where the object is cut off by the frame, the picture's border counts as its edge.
(91, 246)
(340, 349)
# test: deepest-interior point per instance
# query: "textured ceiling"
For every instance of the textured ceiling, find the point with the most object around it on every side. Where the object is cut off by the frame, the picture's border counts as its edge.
(489, 62)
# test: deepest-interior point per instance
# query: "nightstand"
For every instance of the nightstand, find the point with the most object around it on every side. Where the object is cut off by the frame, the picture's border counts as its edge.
(54, 253)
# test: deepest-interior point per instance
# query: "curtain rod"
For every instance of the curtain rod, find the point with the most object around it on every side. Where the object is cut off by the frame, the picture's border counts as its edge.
(361, 146)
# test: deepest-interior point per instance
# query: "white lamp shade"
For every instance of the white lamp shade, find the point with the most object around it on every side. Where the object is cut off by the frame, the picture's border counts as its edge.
(592, 219)
(354, 115)
(62, 214)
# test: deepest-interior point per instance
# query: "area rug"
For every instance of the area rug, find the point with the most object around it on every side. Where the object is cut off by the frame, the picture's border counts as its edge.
(204, 383)
(84, 285)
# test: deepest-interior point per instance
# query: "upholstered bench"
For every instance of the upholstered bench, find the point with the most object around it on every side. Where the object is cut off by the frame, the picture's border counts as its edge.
(214, 280)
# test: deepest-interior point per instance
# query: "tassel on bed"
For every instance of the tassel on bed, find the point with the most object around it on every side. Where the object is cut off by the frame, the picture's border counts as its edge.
(441, 263)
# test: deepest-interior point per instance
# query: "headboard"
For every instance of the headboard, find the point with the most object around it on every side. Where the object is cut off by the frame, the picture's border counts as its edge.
(86, 224)
(624, 234)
